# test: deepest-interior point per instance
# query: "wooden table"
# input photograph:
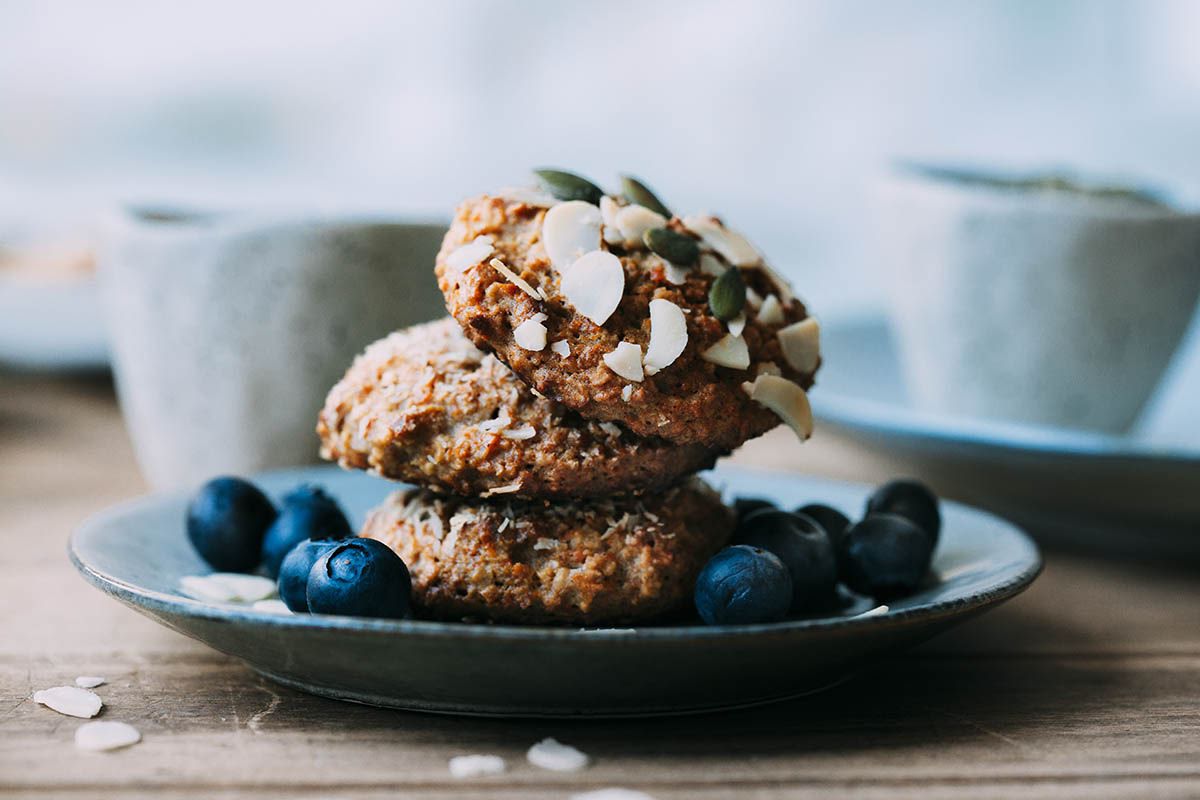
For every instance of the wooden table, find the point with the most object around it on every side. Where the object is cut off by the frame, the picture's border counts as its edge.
(1087, 686)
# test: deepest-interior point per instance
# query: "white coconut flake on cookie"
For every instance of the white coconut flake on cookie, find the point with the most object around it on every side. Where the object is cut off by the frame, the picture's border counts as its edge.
(788, 400)
(569, 230)
(531, 334)
(594, 285)
(470, 254)
(514, 278)
(668, 335)
(626, 361)
(729, 351)
(801, 344)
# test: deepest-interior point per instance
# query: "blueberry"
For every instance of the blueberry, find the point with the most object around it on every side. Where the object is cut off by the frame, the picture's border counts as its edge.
(911, 500)
(308, 513)
(742, 585)
(226, 522)
(359, 578)
(744, 506)
(886, 556)
(832, 521)
(803, 547)
(293, 572)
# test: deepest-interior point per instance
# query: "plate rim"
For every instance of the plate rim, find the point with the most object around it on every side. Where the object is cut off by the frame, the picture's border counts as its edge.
(162, 602)
(853, 412)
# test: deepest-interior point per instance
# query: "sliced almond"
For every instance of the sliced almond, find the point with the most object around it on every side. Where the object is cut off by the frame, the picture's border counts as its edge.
(732, 246)
(711, 265)
(753, 298)
(627, 392)
(626, 361)
(737, 325)
(608, 215)
(674, 273)
(105, 735)
(801, 344)
(635, 220)
(531, 334)
(767, 368)
(729, 351)
(788, 400)
(475, 252)
(569, 230)
(521, 432)
(782, 287)
(668, 335)
(771, 311)
(594, 285)
(70, 700)
(515, 279)
(562, 347)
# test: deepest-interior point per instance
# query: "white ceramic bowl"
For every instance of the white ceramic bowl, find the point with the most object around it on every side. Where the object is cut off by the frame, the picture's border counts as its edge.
(1041, 306)
(228, 330)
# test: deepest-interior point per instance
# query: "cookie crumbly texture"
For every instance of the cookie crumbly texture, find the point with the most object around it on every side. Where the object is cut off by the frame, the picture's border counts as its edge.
(690, 401)
(423, 405)
(600, 562)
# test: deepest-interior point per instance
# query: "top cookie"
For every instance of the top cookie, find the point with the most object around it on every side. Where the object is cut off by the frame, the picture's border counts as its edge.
(609, 307)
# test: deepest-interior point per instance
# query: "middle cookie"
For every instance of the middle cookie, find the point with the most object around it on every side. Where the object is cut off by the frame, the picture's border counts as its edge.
(424, 405)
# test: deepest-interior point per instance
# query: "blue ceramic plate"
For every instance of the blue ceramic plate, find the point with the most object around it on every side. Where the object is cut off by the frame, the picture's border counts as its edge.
(1123, 493)
(138, 551)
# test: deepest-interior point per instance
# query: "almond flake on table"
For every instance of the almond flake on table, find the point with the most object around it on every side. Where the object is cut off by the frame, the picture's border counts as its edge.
(668, 335)
(626, 361)
(515, 279)
(477, 766)
(471, 253)
(105, 735)
(594, 285)
(70, 700)
(612, 793)
(555, 756)
(569, 230)
(89, 681)
(227, 587)
(728, 351)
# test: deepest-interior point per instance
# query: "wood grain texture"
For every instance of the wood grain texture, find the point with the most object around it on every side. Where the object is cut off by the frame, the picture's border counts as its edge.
(1086, 686)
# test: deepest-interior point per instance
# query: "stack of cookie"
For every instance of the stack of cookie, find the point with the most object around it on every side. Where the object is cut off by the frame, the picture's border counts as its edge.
(599, 351)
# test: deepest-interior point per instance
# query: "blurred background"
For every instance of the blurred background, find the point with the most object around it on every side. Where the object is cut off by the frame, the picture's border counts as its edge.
(776, 114)
(781, 116)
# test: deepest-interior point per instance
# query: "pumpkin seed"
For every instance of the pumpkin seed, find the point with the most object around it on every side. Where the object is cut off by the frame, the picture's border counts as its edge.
(727, 296)
(637, 192)
(568, 186)
(672, 245)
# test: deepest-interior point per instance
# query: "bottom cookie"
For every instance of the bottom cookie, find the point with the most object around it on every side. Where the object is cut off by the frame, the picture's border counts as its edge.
(600, 562)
